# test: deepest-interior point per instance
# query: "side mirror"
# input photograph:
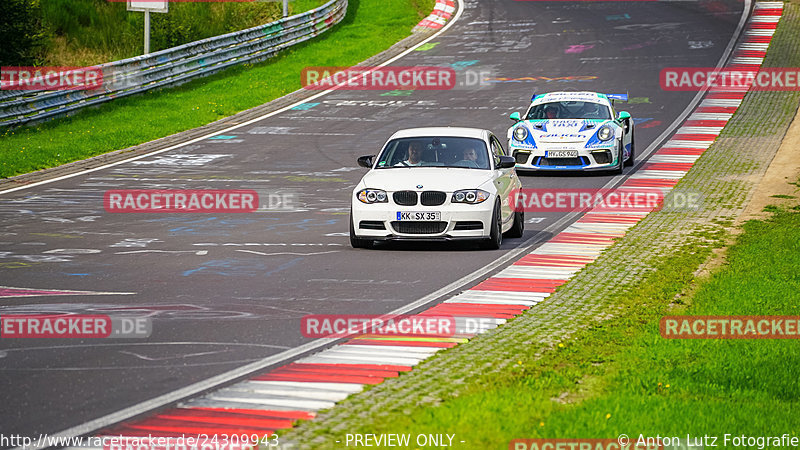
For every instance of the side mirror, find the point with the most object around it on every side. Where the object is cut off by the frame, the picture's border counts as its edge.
(624, 115)
(515, 117)
(365, 161)
(506, 162)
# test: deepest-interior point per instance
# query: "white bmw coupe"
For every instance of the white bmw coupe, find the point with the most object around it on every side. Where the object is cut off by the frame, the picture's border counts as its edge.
(442, 183)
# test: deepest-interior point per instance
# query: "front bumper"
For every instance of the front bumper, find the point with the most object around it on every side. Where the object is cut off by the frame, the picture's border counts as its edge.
(458, 221)
(587, 160)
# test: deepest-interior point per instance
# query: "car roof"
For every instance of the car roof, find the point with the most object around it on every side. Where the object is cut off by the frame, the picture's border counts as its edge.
(476, 133)
(567, 96)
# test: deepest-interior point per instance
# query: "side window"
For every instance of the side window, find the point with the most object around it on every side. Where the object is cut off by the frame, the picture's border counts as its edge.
(497, 150)
(497, 147)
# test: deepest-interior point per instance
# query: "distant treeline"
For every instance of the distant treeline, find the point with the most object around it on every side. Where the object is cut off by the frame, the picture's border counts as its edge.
(87, 32)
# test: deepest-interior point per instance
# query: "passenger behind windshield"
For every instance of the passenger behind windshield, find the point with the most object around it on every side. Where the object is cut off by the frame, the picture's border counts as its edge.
(569, 110)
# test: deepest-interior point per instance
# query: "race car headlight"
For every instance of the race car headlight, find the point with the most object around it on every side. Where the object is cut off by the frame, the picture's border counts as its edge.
(372, 196)
(471, 196)
(520, 133)
(605, 133)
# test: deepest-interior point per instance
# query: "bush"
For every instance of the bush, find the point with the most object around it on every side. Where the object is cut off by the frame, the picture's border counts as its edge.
(21, 33)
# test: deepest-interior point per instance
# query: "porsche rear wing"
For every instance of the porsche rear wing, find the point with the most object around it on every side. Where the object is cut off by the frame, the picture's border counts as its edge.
(612, 97)
(620, 97)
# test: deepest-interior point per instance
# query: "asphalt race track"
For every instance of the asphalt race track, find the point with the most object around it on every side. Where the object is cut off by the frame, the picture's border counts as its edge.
(224, 290)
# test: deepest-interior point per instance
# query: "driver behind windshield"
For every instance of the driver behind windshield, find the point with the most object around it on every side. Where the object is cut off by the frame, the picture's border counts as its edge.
(470, 154)
(414, 155)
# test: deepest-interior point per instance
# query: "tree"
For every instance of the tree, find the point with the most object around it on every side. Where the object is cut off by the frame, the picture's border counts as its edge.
(21, 33)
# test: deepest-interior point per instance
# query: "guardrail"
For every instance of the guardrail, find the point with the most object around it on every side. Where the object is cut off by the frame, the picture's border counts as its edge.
(171, 66)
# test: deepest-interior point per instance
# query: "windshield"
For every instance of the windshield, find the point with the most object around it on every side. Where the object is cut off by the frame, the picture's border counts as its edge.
(569, 110)
(467, 153)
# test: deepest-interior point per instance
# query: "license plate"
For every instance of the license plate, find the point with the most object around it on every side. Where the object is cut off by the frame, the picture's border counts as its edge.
(562, 154)
(433, 216)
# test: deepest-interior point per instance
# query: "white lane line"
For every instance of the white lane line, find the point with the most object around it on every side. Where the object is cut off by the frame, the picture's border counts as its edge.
(495, 302)
(765, 19)
(720, 102)
(501, 295)
(339, 359)
(756, 46)
(571, 249)
(710, 116)
(240, 389)
(761, 33)
(534, 273)
(674, 158)
(298, 404)
(699, 130)
(747, 60)
(223, 404)
(321, 386)
(604, 228)
(659, 174)
(685, 143)
(600, 227)
(379, 350)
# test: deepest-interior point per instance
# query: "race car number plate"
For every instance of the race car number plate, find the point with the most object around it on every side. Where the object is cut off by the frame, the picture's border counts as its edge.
(562, 154)
(419, 215)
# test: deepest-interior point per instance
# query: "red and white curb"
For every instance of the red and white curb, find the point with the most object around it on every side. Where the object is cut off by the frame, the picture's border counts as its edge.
(442, 11)
(276, 399)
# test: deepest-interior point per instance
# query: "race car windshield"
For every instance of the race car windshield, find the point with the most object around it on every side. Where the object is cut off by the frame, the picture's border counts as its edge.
(569, 110)
(465, 153)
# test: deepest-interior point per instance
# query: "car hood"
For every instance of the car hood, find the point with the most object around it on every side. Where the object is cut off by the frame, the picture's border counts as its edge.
(564, 130)
(447, 179)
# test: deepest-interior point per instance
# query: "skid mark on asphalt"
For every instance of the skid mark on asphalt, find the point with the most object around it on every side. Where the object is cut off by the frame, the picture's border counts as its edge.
(196, 252)
(7, 291)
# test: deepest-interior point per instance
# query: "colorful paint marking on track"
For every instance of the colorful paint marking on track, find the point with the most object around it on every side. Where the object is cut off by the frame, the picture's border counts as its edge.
(275, 399)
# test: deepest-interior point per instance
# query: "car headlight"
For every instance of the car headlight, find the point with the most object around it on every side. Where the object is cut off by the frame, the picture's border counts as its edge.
(520, 133)
(372, 196)
(471, 196)
(605, 133)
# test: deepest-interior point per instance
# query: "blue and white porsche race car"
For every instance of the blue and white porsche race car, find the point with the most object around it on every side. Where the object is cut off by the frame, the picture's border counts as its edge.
(572, 131)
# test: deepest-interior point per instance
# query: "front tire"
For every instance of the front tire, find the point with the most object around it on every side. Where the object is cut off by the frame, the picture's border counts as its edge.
(621, 164)
(496, 233)
(518, 227)
(630, 160)
(355, 241)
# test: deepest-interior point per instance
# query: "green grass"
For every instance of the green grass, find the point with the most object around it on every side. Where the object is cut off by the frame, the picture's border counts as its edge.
(370, 27)
(621, 376)
(88, 32)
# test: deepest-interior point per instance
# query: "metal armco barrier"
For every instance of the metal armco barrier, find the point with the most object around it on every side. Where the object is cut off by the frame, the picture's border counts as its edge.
(172, 66)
